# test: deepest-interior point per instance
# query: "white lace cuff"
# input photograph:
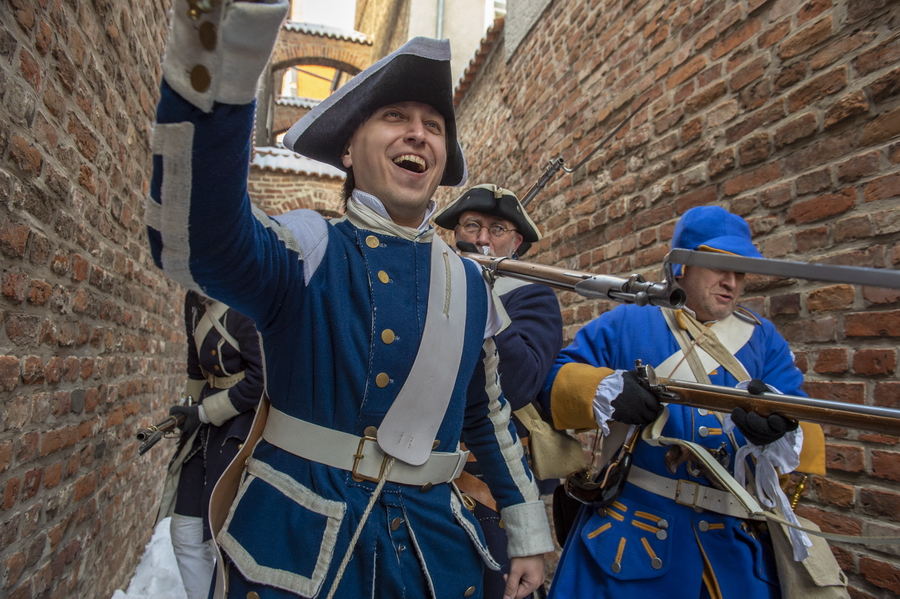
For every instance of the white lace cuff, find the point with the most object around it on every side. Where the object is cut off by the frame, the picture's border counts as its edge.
(608, 389)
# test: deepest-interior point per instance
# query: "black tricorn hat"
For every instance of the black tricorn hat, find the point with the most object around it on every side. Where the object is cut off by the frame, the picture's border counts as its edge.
(495, 201)
(419, 71)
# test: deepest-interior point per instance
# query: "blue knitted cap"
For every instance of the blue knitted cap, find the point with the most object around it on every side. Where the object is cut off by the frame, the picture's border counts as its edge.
(712, 228)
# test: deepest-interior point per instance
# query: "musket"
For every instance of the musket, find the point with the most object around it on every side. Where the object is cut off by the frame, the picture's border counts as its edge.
(151, 436)
(813, 271)
(808, 409)
(633, 289)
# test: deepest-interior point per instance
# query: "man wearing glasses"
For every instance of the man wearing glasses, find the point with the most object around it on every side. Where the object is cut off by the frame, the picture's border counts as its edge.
(493, 221)
(670, 532)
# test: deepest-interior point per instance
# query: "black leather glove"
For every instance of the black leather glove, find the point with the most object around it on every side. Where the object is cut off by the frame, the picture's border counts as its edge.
(635, 404)
(191, 417)
(761, 430)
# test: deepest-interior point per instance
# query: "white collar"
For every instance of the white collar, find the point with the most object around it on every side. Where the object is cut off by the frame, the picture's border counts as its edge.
(367, 199)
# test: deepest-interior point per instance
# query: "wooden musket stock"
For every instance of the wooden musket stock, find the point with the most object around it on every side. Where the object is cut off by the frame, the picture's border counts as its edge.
(808, 409)
(634, 289)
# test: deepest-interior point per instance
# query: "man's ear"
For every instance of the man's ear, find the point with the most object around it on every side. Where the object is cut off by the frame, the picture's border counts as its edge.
(345, 158)
(518, 241)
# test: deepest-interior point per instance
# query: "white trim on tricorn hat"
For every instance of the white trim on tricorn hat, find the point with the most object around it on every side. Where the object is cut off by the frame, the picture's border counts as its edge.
(495, 201)
(419, 71)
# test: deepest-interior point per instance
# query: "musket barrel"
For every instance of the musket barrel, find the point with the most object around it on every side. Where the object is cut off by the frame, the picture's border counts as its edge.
(632, 289)
(820, 411)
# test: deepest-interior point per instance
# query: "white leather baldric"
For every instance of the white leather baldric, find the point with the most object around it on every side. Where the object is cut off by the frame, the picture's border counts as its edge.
(411, 424)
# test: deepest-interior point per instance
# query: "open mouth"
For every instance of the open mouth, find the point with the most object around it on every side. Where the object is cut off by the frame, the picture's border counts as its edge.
(411, 162)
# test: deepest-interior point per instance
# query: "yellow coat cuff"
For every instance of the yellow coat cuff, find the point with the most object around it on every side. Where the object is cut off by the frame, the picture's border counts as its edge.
(572, 395)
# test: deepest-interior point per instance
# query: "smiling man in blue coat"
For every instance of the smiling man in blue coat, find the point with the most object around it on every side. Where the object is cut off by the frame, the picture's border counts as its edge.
(377, 339)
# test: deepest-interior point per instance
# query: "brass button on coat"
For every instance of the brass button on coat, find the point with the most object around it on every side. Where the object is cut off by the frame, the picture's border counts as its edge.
(252, 595)
(200, 78)
(382, 380)
(387, 336)
(469, 592)
(212, 352)
(372, 241)
(208, 36)
(383, 277)
(426, 487)
(395, 523)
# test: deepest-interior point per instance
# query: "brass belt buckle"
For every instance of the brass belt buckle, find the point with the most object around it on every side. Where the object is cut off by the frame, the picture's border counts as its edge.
(357, 458)
(679, 493)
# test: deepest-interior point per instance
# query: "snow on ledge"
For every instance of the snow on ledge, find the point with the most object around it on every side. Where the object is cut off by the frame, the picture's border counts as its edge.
(283, 160)
(326, 31)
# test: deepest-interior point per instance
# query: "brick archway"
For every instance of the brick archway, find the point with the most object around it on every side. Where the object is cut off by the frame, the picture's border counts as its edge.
(299, 44)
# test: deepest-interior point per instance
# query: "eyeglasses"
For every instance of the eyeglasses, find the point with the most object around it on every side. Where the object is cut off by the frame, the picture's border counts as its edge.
(473, 228)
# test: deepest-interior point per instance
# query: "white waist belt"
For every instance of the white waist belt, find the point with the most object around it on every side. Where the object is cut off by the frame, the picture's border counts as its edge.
(360, 455)
(224, 382)
(688, 493)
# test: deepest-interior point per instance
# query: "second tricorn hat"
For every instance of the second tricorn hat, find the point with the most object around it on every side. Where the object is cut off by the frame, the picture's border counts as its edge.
(419, 71)
(495, 201)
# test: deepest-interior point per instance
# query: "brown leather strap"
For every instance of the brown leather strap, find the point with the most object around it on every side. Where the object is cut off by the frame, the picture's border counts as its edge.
(477, 490)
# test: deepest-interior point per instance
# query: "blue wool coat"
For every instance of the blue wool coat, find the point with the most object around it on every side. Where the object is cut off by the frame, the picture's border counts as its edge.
(314, 291)
(743, 565)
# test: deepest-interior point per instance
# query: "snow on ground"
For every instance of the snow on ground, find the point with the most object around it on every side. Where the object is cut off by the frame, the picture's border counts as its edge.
(157, 575)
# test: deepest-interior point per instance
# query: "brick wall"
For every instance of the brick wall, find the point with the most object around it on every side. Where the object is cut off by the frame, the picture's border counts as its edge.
(92, 342)
(279, 192)
(784, 112)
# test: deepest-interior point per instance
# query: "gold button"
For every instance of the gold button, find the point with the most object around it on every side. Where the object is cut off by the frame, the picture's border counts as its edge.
(395, 523)
(194, 13)
(252, 595)
(212, 352)
(216, 367)
(208, 36)
(469, 592)
(383, 277)
(468, 502)
(372, 241)
(387, 336)
(200, 78)
(435, 444)
(371, 431)
(501, 523)
(426, 487)
(382, 380)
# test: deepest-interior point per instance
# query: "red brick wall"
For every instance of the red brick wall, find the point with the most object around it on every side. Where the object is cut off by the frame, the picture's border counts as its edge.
(784, 112)
(91, 346)
(278, 192)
